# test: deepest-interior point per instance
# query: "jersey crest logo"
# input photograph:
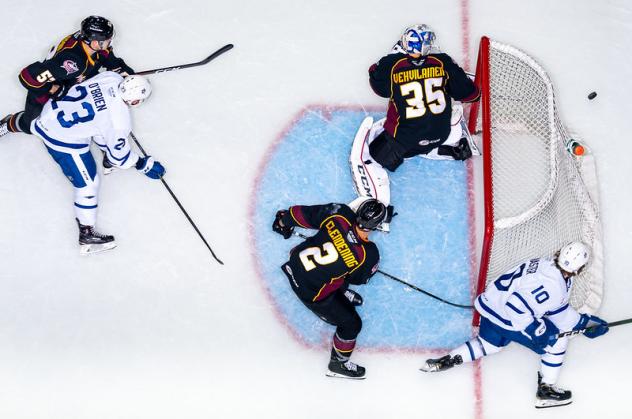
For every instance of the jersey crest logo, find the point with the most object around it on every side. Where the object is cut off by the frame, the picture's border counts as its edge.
(70, 66)
(351, 238)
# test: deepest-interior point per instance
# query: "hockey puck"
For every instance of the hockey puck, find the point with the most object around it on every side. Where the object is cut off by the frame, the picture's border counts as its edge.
(592, 95)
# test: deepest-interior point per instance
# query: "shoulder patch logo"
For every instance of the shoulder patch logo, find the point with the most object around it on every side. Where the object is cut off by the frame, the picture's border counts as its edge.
(70, 66)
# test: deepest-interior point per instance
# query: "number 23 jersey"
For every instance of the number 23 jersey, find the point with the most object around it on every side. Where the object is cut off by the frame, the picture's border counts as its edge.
(91, 111)
(334, 256)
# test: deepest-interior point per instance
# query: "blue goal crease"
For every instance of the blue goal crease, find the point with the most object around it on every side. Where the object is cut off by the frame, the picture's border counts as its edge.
(428, 245)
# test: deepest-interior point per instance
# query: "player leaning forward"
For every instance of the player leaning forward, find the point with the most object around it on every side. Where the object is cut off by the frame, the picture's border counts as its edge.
(96, 110)
(321, 268)
(421, 83)
(530, 305)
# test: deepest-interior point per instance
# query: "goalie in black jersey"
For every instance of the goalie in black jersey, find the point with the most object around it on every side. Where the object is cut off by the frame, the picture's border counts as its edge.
(79, 56)
(421, 84)
(321, 268)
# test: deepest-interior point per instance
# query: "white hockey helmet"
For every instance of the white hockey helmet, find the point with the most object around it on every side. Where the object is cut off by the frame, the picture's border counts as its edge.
(418, 39)
(135, 90)
(573, 257)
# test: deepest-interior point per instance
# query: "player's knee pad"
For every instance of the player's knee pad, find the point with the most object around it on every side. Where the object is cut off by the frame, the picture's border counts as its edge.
(350, 328)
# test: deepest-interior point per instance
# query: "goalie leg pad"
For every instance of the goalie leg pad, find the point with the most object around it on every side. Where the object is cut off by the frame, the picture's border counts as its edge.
(369, 177)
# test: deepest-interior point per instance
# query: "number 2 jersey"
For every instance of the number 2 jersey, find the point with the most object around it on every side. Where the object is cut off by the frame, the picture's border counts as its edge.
(419, 92)
(331, 259)
(531, 290)
(91, 111)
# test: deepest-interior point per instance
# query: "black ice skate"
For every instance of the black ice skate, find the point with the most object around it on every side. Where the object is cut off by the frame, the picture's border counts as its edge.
(348, 369)
(441, 364)
(549, 395)
(91, 241)
(107, 166)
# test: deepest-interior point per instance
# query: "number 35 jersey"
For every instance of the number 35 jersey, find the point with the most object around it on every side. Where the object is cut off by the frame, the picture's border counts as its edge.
(331, 259)
(90, 111)
(420, 92)
(531, 290)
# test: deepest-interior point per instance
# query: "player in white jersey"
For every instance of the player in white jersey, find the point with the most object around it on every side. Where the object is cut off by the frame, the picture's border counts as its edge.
(530, 305)
(96, 110)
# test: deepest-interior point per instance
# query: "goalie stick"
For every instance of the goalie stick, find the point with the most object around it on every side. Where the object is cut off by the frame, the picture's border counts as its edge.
(207, 60)
(580, 331)
(394, 278)
(178, 202)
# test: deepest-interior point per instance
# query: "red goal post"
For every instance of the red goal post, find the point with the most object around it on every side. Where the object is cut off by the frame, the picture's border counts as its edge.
(538, 196)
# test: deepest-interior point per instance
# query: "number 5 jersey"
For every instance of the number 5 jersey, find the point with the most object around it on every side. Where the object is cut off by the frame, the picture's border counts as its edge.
(332, 258)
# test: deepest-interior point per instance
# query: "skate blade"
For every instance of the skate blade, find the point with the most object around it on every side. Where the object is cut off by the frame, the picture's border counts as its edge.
(108, 170)
(429, 368)
(336, 375)
(89, 249)
(543, 404)
(384, 228)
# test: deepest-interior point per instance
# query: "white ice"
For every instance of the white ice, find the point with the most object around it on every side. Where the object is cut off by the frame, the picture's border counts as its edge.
(157, 329)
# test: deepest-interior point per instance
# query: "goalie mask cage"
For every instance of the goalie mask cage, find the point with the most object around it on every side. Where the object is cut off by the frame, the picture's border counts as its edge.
(538, 196)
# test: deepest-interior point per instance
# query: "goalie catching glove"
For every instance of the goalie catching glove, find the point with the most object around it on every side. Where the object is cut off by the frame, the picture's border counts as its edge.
(150, 167)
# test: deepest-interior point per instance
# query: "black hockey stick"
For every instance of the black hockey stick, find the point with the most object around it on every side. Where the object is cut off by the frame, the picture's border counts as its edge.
(580, 331)
(207, 60)
(178, 202)
(394, 278)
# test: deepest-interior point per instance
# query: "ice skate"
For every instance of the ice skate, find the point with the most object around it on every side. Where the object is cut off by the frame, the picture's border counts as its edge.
(4, 125)
(441, 364)
(342, 369)
(107, 166)
(470, 140)
(91, 241)
(549, 395)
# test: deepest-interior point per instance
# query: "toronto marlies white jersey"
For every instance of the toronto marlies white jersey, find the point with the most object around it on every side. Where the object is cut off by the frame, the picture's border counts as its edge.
(532, 290)
(91, 111)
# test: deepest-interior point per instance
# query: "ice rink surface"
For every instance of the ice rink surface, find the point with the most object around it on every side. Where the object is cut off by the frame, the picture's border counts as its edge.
(158, 329)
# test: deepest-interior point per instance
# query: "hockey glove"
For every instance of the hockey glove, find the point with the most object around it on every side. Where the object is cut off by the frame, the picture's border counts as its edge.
(280, 227)
(150, 167)
(593, 325)
(540, 331)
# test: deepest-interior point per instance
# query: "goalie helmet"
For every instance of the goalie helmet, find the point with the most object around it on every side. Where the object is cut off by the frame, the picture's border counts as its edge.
(96, 28)
(370, 214)
(134, 90)
(573, 257)
(418, 39)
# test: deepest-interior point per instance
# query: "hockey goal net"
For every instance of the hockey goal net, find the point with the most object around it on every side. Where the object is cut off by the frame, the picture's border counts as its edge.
(538, 196)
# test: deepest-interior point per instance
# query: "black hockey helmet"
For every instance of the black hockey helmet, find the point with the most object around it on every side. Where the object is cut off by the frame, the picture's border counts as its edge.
(370, 214)
(96, 28)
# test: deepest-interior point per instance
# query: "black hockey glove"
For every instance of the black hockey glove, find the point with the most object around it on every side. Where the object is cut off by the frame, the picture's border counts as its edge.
(279, 227)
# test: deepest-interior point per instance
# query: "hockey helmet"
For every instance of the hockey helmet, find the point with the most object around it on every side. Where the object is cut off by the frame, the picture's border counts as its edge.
(96, 28)
(573, 257)
(135, 90)
(418, 39)
(370, 214)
